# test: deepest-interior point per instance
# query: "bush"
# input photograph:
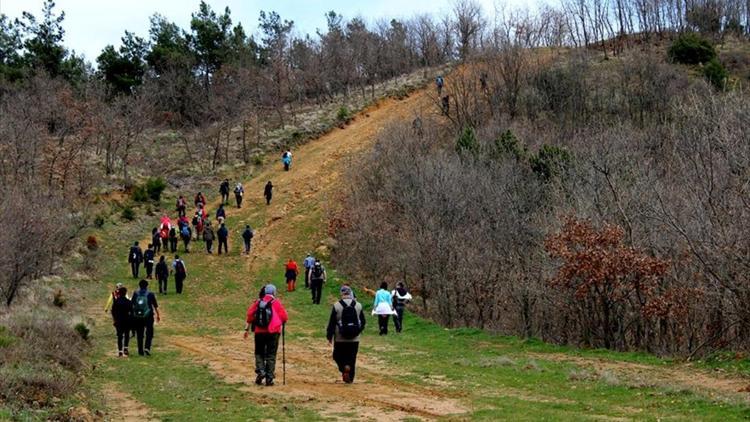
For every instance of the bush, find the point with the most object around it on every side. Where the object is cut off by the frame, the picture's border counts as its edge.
(139, 194)
(715, 72)
(99, 221)
(343, 115)
(58, 299)
(155, 187)
(91, 243)
(508, 144)
(258, 159)
(691, 48)
(82, 330)
(467, 141)
(128, 213)
(550, 161)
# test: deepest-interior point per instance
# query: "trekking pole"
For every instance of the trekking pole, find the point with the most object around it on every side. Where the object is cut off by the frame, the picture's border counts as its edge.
(283, 353)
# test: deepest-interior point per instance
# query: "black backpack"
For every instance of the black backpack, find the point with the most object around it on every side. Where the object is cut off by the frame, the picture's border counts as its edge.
(317, 272)
(141, 306)
(263, 314)
(349, 322)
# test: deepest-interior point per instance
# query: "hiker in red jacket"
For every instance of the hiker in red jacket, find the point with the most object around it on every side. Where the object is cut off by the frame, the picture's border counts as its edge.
(266, 317)
(291, 275)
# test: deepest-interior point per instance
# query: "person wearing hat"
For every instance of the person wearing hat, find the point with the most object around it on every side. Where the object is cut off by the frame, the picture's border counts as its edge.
(345, 325)
(266, 317)
(308, 264)
(112, 296)
(317, 278)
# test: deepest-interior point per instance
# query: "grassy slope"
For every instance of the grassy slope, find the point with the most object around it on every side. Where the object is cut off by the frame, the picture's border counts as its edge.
(493, 376)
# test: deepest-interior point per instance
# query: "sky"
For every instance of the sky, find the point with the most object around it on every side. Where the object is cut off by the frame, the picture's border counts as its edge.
(90, 25)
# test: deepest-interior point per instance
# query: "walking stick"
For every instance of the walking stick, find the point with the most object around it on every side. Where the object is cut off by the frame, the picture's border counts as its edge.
(283, 353)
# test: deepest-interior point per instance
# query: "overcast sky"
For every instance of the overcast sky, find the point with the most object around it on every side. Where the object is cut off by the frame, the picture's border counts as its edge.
(90, 25)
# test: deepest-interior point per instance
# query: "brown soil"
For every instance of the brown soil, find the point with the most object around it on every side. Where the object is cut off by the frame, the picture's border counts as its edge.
(123, 407)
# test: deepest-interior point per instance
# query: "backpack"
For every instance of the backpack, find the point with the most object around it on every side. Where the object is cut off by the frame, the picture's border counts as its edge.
(349, 322)
(185, 231)
(317, 272)
(172, 232)
(141, 307)
(179, 268)
(263, 314)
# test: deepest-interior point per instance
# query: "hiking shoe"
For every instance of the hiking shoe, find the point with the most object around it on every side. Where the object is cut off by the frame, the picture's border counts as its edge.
(119, 354)
(125, 352)
(269, 382)
(147, 352)
(346, 374)
(259, 379)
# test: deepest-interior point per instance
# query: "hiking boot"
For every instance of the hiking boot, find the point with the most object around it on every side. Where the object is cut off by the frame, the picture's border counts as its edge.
(259, 379)
(119, 354)
(269, 382)
(125, 352)
(147, 352)
(346, 374)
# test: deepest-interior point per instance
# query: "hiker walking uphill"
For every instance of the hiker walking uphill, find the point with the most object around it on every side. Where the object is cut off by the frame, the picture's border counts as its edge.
(317, 278)
(345, 325)
(148, 260)
(268, 192)
(221, 214)
(286, 159)
(290, 273)
(439, 82)
(181, 206)
(199, 200)
(208, 237)
(383, 307)
(247, 238)
(112, 297)
(156, 239)
(266, 317)
(144, 309)
(308, 264)
(400, 298)
(239, 192)
(135, 257)
(162, 274)
(224, 191)
(180, 273)
(223, 234)
(122, 314)
(173, 239)
(186, 235)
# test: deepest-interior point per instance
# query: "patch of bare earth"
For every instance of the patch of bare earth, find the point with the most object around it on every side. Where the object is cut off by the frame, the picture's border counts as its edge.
(125, 408)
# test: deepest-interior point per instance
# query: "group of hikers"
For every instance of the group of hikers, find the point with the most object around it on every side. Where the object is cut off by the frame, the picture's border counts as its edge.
(266, 317)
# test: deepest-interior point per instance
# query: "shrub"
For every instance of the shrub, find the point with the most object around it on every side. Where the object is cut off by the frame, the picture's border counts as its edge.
(139, 194)
(82, 330)
(467, 141)
(6, 339)
(99, 221)
(155, 187)
(691, 48)
(91, 243)
(550, 161)
(715, 72)
(58, 299)
(507, 143)
(128, 213)
(258, 159)
(343, 115)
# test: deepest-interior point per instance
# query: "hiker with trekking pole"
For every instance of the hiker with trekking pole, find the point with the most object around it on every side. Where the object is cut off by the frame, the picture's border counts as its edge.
(266, 317)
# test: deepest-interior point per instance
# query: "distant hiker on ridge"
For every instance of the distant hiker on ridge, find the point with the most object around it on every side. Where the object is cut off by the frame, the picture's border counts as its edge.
(268, 192)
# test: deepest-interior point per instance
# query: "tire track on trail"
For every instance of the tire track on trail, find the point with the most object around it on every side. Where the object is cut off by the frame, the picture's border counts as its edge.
(314, 179)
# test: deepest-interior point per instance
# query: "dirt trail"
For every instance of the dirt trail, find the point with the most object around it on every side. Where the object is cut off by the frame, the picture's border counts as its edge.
(314, 179)
(124, 407)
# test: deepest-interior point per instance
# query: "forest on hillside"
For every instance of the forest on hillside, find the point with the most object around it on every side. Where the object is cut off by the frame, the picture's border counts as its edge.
(573, 111)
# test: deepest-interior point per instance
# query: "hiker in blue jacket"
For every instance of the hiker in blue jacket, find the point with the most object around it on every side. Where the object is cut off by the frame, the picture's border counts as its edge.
(383, 307)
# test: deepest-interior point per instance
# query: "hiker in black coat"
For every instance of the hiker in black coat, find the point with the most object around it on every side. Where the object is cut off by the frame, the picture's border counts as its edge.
(162, 274)
(135, 257)
(268, 192)
(247, 237)
(148, 260)
(223, 235)
(121, 316)
(224, 190)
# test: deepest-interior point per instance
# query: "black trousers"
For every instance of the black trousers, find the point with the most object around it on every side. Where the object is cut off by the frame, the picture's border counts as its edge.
(345, 354)
(238, 198)
(307, 278)
(247, 245)
(223, 242)
(157, 244)
(268, 199)
(266, 346)
(178, 279)
(134, 268)
(123, 335)
(383, 324)
(163, 285)
(173, 244)
(145, 326)
(186, 241)
(398, 319)
(149, 269)
(317, 290)
(209, 246)
(225, 198)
